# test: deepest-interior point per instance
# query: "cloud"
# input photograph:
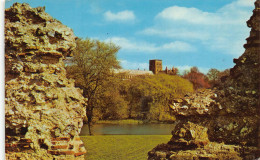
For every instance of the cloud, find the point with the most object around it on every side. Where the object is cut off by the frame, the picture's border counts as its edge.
(223, 31)
(190, 15)
(177, 46)
(128, 45)
(134, 65)
(241, 3)
(179, 33)
(123, 16)
(142, 46)
(94, 7)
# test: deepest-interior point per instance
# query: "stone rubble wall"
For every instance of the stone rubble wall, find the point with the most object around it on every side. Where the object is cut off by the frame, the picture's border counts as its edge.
(190, 141)
(221, 123)
(201, 103)
(61, 148)
(205, 108)
(43, 110)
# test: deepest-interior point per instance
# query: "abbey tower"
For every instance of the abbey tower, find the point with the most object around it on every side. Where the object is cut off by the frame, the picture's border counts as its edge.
(155, 65)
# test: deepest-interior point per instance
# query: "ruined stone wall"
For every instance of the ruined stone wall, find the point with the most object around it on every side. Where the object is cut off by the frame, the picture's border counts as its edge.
(221, 123)
(43, 110)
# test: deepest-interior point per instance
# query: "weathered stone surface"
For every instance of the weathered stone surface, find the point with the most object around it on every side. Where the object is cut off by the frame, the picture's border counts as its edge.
(32, 31)
(239, 93)
(40, 102)
(221, 123)
(190, 141)
(204, 108)
(201, 103)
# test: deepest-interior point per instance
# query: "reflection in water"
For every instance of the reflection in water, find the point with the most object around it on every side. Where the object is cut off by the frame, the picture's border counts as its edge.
(129, 129)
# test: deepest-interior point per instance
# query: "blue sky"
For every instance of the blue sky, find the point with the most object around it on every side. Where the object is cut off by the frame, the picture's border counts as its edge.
(182, 33)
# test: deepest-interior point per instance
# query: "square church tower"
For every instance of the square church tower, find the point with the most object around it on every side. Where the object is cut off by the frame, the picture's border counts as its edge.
(155, 65)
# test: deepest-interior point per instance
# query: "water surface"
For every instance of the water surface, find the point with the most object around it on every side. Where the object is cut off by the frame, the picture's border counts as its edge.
(129, 129)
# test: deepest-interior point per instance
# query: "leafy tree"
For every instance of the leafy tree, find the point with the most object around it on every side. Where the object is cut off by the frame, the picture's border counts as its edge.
(198, 79)
(113, 105)
(194, 70)
(93, 63)
(215, 76)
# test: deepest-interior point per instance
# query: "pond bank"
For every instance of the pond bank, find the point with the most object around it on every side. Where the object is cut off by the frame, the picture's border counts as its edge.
(128, 129)
(132, 121)
(124, 121)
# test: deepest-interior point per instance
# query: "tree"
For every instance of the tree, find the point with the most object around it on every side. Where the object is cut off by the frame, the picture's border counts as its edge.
(198, 79)
(113, 105)
(93, 63)
(216, 77)
(213, 76)
(194, 69)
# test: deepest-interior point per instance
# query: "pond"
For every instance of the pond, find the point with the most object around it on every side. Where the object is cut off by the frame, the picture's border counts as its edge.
(129, 129)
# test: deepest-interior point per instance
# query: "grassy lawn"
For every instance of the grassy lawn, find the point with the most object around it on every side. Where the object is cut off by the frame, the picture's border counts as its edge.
(121, 147)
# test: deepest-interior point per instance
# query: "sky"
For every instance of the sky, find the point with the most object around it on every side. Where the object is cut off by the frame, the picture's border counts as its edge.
(182, 33)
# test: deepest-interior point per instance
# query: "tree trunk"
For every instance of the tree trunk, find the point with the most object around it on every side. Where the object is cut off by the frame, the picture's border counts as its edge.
(89, 112)
(89, 128)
